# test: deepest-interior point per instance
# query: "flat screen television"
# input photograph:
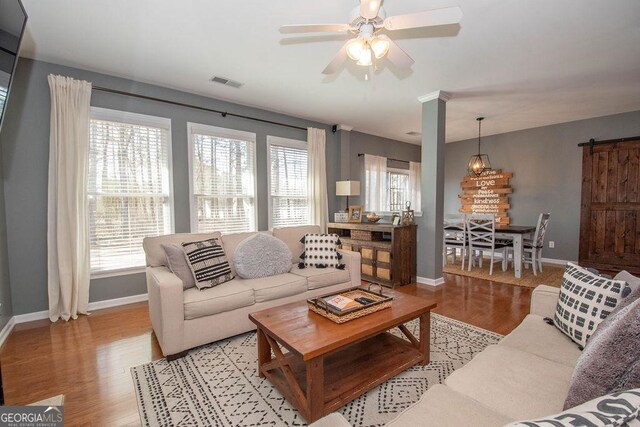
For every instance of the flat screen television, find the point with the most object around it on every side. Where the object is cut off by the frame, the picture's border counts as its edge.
(13, 20)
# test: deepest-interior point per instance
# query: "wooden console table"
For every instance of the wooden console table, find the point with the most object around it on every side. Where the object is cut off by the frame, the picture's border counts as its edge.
(390, 259)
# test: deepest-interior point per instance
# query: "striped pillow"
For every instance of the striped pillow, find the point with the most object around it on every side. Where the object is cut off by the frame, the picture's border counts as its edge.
(208, 263)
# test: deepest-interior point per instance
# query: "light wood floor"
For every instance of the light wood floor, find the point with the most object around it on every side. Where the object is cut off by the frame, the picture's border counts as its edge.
(88, 360)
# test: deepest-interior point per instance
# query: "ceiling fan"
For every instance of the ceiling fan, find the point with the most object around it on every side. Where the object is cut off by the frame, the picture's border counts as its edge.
(367, 22)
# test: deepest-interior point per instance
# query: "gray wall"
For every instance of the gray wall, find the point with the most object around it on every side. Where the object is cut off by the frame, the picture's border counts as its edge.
(547, 172)
(6, 310)
(25, 148)
(370, 144)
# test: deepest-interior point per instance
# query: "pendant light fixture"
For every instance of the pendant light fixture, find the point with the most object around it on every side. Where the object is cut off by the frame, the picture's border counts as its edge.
(478, 163)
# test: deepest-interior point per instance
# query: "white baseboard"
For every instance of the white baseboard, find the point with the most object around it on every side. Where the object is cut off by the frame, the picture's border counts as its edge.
(4, 334)
(557, 261)
(431, 282)
(97, 305)
(30, 317)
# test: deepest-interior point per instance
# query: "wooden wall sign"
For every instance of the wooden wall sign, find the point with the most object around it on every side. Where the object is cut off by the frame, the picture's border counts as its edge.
(487, 194)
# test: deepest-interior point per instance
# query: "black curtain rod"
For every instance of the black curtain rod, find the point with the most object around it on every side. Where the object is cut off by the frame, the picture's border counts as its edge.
(196, 107)
(388, 158)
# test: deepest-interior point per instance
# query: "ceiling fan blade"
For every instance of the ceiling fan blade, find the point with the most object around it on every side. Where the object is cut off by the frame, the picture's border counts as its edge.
(397, 56)
(313, 28)
(337, 60)
(430, 18)
(369, 8)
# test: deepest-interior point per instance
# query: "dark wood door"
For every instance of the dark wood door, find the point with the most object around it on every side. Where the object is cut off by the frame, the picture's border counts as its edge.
(610, 211)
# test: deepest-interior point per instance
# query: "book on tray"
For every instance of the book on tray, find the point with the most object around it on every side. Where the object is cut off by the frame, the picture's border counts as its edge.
(341, 303)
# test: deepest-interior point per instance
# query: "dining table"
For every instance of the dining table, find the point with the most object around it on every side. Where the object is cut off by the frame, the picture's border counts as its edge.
(516, 233)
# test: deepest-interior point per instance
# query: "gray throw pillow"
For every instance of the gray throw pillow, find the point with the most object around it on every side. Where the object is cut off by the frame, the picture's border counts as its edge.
(177, 262)
(261, 255)
(610, 361)
(632, 281)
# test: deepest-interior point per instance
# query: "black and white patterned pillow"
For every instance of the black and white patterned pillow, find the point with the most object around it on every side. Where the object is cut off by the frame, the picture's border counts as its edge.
(585, 300)
(320, 250)
(208, 262)
(616, 409)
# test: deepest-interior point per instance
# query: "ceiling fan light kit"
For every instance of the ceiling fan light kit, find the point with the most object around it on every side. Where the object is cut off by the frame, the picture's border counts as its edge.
(366, 22)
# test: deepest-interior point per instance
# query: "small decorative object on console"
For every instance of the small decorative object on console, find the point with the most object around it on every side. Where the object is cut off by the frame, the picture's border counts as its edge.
(341, 217)
(373, 217)
(355, 213)
(408, 217)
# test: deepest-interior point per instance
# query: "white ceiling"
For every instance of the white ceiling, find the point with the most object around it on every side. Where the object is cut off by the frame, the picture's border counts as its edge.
(520, 63)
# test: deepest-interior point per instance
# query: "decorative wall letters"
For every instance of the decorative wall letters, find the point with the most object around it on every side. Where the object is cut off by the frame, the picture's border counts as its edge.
(487, 194)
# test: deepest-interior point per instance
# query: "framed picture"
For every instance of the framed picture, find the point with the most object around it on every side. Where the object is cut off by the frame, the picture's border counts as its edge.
(355, 213)
(395, 219)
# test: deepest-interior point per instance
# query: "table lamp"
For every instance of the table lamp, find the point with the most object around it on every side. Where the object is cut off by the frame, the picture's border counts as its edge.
(347, 188)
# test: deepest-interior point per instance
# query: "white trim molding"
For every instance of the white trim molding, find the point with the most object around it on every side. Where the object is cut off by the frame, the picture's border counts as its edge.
(96, 305)
(431, 282)
(345, 128)
(4, 334)
(439, 94)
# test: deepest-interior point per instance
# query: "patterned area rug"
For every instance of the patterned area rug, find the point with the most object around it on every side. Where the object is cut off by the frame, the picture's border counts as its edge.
(217, 384)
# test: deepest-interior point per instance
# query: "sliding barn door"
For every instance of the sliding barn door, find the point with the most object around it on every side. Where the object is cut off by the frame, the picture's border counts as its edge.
(610, 212)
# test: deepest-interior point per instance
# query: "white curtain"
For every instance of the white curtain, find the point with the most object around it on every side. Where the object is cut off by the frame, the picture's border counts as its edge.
(67, 225)
(375, 183)
(415, 175)
(317, 178)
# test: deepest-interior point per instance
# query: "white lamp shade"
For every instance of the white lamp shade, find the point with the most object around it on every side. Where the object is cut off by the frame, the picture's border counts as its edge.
(347, 188)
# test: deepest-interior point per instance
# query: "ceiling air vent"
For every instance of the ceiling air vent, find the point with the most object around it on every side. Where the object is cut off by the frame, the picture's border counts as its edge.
(225, 81)
(414, 133)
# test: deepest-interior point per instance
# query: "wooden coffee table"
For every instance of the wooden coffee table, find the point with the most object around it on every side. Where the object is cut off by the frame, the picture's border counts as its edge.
(325, 365)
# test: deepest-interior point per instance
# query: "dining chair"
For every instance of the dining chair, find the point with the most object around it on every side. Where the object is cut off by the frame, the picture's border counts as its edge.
(454, 239)
(532, 248)
(481, 230)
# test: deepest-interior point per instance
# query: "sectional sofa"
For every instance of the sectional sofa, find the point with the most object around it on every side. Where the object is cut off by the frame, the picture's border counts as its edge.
(526, 375)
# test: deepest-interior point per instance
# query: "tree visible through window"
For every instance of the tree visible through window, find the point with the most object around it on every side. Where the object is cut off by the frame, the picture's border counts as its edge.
(289, 201)
(223, 179)
(128, 187)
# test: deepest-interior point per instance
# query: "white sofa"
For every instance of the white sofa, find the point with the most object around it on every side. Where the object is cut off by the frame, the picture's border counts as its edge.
(183, 319)
(525, 376)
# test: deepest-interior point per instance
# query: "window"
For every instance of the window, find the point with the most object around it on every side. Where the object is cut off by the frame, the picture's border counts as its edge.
(288, 201)
(223, 179)
(129, 187)
(4, 89)
(398, 182)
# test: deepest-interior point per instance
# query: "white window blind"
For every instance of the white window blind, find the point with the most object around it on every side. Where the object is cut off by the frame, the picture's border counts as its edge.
(4, 89)
(223, 179)
(288, 199)
(129, 187)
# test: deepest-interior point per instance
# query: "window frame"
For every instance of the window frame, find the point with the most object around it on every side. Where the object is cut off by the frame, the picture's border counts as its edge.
(126, 117)
(283, 142)
(396, 171)
(221, 132)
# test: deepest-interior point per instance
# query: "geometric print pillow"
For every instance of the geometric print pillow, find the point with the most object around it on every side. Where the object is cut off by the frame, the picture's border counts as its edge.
(615, 409)
(208, 263)
(585, 300)
(320, 250)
